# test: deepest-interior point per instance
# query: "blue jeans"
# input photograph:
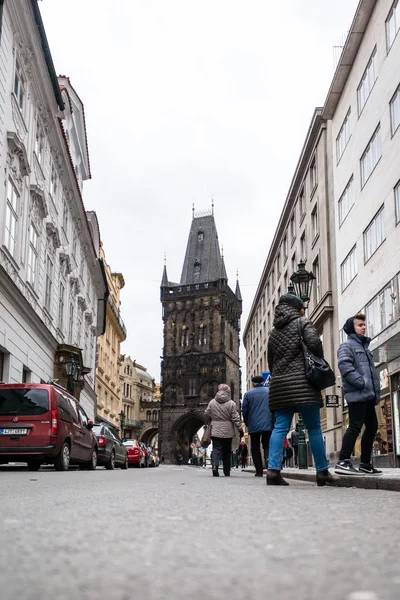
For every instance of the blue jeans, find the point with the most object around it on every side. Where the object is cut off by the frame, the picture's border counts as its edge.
(283, 419)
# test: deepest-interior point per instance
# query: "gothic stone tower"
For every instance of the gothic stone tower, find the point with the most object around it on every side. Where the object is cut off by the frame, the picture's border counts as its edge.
(201, 316)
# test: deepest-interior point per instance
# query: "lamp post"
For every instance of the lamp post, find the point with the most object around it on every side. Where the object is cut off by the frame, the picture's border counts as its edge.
(73, 370)
(301, 286)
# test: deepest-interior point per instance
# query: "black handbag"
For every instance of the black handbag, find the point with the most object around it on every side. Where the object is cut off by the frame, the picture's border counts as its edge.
(318, 371)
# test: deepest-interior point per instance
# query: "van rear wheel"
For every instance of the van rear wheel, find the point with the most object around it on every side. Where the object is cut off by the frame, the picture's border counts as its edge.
(61, 462)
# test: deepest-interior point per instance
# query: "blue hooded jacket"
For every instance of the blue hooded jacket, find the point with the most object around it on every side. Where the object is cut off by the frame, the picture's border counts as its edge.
(255, 410)
(356, 365)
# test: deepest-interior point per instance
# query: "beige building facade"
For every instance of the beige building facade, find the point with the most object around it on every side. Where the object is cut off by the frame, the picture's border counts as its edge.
(108, 374)
(305, 232)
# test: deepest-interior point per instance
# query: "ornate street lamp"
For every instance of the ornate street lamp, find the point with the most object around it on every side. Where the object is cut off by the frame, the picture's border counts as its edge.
(302, 282)
(73, 370)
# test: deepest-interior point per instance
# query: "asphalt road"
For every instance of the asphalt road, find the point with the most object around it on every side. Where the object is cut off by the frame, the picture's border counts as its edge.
(179, 534)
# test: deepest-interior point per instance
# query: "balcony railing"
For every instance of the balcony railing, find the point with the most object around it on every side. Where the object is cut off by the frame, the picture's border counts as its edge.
(117, 315)
(133, 423)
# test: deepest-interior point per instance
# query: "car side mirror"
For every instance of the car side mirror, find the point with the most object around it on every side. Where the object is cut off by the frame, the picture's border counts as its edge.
(90, 424)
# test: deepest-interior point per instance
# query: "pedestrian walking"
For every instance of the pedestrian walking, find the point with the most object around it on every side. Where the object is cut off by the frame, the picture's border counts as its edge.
(294, 440)
(259, 421)
(244, 453)
(223, 416)
(290, 391)
(362, 393)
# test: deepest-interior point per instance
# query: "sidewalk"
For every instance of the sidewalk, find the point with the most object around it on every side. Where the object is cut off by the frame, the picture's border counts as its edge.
(389, 480)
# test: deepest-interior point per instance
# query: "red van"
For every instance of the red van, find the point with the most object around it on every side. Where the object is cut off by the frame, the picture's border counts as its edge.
(44, 424)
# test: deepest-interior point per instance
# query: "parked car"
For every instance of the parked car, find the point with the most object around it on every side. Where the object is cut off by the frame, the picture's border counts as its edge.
(145, 454)
(135, 453)
(111, 451)
(154, 461)
(44, 424)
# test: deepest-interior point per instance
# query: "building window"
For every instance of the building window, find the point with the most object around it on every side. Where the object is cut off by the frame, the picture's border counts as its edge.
(374, 235)
(285, 281)
(313, 174)
(343, 137)
(148, 415)
(32, 255)
(278, 267)
(49, 282)
(367, 82)
(184, 337)
(19, 85)
(71, 322)
(11, 217)
(392, 24)
(285, 248)
(349, 268)
(397, 202)
(380, 311)
(273, 279)
(317, 282)
(346, 201)
(53, 182)
(155, 416)
(314, 223)
(269, 321)
(61, 303)
(39, 143)
(303, 246)
(65, 218)
(395, 110)
(371, 156)
(200, 236)
(197, 266)
(293, 227)
(192, 386)
(231, 341)
(202, 335)
(302, 205)
(294, 265)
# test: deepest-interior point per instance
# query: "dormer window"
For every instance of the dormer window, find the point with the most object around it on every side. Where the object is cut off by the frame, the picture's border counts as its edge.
(197, 266)
(200, 236)
(19, 86)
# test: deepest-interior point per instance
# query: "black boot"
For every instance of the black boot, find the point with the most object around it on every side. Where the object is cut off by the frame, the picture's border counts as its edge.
(215, 472)
(275, 478)
(326, 478)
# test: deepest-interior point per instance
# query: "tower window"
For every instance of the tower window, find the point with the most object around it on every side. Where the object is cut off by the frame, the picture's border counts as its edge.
(200, 236)
(197, 266)
(192, 386)
(184, 337)
(202, 335)
(230, 341)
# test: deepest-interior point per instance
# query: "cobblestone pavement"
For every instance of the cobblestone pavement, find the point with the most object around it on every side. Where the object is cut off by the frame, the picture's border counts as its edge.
(178, 533)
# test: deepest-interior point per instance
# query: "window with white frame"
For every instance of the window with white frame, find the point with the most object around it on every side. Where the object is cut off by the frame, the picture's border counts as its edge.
(349, 268)
(53, 182)
(380, 312)
(285, 248)
(65, 218)
(367, 82)
(392, 24)
(278, 266)
(317, 281)
(314, 223)
(39, 143)
(79, 336)
(61, 304)
(374, 235)
(74, 245)
(303, 246)
(343, 137)
(346, 201)
(395, 110)
(371, 156)
(49, 282)
(33, 255)
(71, 322)
(293, 227)
(273, 279)
(302, 206)
(19, 85)
(313, 174)
(294, 264)
(11, 217)
(397, 202)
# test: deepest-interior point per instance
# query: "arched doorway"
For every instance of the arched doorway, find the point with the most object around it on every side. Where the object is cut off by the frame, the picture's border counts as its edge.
(150, 437)
(182, 433)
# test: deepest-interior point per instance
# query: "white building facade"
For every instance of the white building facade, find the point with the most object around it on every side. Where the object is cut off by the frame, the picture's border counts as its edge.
(52, 284)
(363, 105)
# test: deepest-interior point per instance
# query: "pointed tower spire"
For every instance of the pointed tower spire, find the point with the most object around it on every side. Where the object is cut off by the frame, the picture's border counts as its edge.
(237, 290)
(202, 261)
(224, 274)
(212, 204)
(164, 280)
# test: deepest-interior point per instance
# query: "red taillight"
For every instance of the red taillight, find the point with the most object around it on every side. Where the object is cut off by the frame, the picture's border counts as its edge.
(54, 422)
(101, 440)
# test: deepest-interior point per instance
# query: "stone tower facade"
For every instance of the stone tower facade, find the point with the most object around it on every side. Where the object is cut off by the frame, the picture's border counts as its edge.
(201, 317)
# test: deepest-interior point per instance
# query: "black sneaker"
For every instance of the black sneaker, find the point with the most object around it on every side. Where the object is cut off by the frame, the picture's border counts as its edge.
(369, 469)
(344, 467)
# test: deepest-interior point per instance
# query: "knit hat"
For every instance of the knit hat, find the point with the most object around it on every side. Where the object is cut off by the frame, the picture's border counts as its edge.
(257, 379)
(348, 327)
(224, 388)
(291, 300)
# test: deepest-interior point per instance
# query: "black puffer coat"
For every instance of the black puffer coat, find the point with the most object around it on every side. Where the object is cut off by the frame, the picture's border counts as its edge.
(289, 386)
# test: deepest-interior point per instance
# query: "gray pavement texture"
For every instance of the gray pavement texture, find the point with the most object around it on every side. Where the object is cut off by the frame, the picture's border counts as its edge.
(179, 533)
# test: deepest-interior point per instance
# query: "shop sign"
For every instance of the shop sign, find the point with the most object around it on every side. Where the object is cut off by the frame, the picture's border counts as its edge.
(332, 400)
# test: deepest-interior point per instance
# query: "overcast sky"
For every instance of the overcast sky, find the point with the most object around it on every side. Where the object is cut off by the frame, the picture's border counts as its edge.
(185, 100)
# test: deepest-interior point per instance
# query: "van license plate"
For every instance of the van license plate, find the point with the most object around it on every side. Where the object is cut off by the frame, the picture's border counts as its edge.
(13, 431)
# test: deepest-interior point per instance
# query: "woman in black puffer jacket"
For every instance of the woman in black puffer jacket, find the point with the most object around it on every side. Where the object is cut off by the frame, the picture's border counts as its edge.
(290, 390)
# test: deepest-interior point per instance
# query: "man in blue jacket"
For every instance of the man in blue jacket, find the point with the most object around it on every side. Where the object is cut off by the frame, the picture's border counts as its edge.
(362, 393)
(259, 421)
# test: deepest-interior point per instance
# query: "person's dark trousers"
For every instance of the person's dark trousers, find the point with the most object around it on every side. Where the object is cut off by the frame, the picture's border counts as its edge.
(256, 438)
(360, 413)
(296, 455)
(222, 448)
